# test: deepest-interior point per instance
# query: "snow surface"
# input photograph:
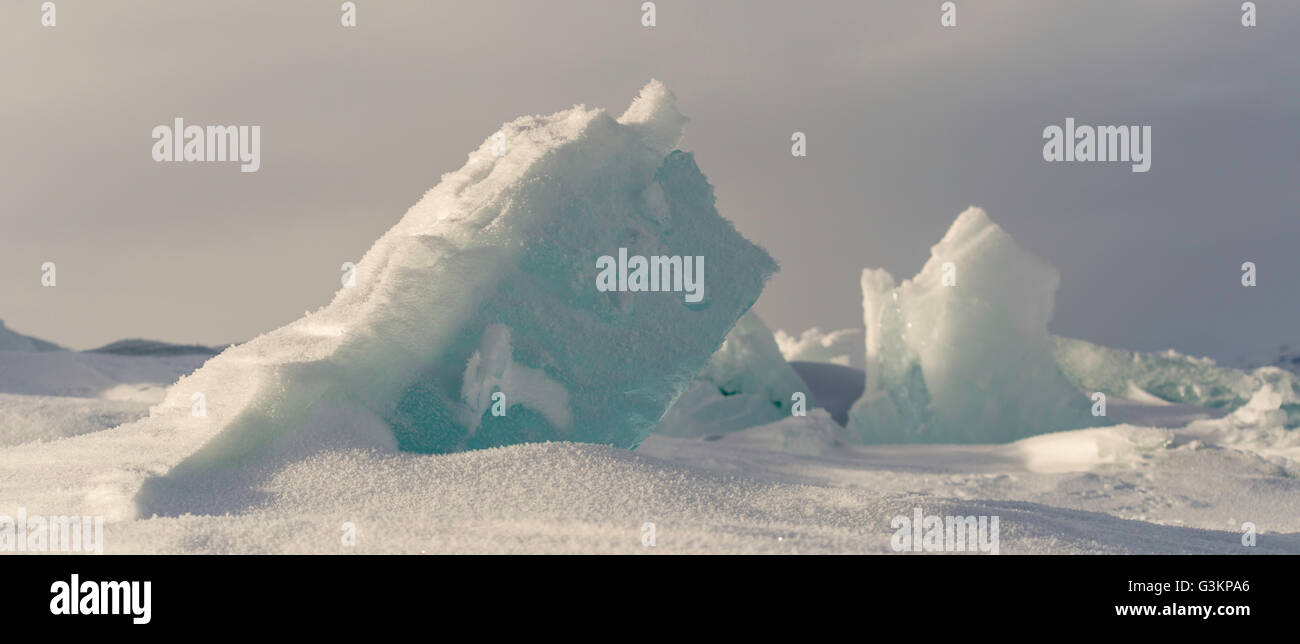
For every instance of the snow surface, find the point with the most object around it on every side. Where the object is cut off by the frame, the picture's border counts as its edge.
(789, 487)
(24, 419)
(795, 485)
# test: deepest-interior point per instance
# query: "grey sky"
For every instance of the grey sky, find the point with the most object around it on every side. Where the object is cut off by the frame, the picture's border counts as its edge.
(907, 124)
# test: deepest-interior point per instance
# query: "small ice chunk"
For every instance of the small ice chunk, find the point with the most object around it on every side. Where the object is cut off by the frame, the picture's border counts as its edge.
(746, 383)
(960, 353)
(750, 362)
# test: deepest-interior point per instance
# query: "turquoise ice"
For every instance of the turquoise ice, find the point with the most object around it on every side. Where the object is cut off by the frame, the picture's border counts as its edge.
(476, 322)
(960, 353)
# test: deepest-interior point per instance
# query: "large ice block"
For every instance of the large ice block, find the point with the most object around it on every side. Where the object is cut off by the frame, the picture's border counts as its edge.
(483, 299)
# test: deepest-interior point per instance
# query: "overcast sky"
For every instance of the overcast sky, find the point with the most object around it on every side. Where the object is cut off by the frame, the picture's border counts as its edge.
(907, 124)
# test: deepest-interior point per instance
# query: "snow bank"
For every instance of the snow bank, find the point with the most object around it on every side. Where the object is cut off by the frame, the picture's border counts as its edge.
(1087, 449)
(575, 498)
(969, 362)
(25, 418)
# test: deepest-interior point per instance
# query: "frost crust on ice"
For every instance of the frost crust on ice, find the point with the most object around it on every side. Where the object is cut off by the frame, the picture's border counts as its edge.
(966, 363)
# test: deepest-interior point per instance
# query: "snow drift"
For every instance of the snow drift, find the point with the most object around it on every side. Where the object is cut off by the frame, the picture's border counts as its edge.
(960, 353)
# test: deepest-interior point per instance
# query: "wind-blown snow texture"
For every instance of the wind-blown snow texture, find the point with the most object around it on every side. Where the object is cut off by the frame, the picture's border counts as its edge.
(970, 362)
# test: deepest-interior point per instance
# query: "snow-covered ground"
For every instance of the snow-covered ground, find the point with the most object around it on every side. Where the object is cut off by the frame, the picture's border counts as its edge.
(54, 394)
(789, 487)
